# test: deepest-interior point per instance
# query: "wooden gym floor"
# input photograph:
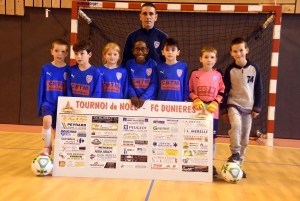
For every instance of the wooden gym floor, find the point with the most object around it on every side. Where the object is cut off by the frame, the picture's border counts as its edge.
(273, 174)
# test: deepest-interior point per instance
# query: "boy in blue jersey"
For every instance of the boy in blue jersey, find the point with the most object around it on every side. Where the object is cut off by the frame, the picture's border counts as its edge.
(114, 78)
(83, 78)
(142, 75)
(173, 75)
(52, 84)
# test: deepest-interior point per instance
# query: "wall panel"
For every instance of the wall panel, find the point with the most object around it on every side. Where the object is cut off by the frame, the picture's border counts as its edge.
(20, 9)
(10, 7)
(47, 3)
(287, 115)
(10, 69)
(2, 7)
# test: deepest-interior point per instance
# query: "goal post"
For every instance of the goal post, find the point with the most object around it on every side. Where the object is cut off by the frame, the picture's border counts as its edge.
(194, 26)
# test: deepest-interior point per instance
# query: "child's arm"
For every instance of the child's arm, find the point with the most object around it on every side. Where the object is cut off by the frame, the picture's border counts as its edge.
(125, 85)
(153, 85)
(220, 96)
(186, 85)
(41, 91)
(97, 88)
(68, 83)
(131, 91)
(197, 102)
(192, 94)
(227, 84)
(214, 105)
(257, 92)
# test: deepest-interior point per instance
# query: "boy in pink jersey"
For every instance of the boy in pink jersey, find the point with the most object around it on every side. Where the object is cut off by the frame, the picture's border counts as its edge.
(206, 89)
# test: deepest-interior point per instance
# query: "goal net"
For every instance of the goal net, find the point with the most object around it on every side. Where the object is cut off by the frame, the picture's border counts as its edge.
(193, 30)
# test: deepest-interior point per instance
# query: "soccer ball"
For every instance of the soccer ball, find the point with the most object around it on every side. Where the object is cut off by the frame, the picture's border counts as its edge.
(231, 172)
(42, 165)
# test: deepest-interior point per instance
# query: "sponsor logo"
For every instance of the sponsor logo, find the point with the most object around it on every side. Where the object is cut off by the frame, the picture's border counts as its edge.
(158, 122)
(73, 118)
(161, 128)
(62, 163)
(113, 127)
(78, 126)
(96, 142)
(81, 134)
(68, 133)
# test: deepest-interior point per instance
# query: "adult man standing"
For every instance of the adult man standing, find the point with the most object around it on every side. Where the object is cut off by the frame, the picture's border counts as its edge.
(148, 33)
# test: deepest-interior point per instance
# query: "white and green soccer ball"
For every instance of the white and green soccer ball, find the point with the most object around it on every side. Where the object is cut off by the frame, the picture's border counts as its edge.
(42, 165)
(231, 172)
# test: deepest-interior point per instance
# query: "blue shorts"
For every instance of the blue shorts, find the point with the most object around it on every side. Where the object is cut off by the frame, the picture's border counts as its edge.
(46, 110)
(215, 127)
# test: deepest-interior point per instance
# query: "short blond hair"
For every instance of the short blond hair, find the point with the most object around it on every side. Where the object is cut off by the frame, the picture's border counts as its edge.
(113, 46)
(208, 49)
(60, 42)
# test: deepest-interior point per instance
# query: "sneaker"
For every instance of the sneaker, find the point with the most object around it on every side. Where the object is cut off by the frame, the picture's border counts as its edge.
(46, 151)
(244, 174)
(215, 173)
(234, 158)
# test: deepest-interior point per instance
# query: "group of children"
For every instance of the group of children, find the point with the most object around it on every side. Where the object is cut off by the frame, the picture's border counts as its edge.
(141, 79)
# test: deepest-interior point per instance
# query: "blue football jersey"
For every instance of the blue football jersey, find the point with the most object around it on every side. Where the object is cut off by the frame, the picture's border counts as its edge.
(85, 83)
(142, 79)
(172, 82)
(114, 82)
(52, 84)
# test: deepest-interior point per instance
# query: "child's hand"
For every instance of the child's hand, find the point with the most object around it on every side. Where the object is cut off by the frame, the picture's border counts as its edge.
(225, 118)
(212, 107)
(254, 114)
(141, 102)
(198, 104)
(135, 101)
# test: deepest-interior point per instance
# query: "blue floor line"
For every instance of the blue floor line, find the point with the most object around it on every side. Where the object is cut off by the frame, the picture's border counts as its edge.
(149, 190)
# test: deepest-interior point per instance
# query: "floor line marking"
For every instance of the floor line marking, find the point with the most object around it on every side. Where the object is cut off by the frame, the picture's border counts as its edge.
(149, 190)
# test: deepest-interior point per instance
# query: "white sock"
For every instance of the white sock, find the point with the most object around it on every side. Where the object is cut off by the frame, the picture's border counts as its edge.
(47, 137)
(214, 150)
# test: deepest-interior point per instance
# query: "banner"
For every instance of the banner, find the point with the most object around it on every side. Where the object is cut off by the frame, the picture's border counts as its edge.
(110, 138)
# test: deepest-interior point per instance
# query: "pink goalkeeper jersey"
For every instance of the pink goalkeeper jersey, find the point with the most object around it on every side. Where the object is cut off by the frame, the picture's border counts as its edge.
(207, 86)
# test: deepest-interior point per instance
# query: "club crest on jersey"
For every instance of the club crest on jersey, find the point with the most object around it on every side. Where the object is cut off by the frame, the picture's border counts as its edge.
(65, 75)
(119, 75)
(156, 44)
(179, 72)
(89, 78)
(215, 78)
(149, 71)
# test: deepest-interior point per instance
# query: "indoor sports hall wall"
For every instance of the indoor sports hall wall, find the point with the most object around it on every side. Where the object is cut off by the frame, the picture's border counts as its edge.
(25, 47)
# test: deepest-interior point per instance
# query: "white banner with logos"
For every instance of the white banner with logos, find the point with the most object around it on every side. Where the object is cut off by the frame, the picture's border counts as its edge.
(110, 138)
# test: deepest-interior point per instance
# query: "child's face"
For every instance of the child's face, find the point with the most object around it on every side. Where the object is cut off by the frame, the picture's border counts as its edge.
(140, 52)
(170, 53)
(82, 57)
(59, 52)
(112, 57)
(208, 59)
(239, 52)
